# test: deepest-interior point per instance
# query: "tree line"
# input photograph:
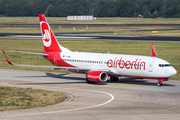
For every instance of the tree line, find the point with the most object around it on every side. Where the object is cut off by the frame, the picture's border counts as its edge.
(99, 8)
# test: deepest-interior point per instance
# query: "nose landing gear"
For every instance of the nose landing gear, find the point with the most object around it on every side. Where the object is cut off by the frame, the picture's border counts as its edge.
(160, 82)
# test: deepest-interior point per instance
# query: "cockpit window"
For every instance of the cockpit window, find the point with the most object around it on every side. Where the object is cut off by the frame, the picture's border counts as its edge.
(164, 65)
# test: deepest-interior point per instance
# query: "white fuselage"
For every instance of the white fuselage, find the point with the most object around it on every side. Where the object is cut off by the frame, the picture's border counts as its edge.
(121, 65)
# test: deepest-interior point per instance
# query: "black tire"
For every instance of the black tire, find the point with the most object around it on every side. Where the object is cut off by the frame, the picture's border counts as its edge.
(87, 81)
(113, 79)
(159, 84)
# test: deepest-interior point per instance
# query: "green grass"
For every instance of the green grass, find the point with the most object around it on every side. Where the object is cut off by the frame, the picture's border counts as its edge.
(20, 30)
(12, 98)
(167, 51)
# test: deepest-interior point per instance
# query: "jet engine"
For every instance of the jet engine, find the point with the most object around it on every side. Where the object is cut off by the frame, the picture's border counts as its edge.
(97, 76)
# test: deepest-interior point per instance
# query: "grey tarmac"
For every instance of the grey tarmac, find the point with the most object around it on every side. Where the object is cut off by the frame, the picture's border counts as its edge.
(125, 99)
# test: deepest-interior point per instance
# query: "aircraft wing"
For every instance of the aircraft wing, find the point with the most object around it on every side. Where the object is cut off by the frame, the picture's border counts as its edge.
(53, 67)
(84, 70)
(42, 54)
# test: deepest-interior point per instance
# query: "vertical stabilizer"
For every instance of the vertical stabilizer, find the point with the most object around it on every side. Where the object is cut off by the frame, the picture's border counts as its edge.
(49, 40)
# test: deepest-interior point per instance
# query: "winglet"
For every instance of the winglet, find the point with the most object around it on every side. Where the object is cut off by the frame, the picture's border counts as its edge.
(8, 60)
(154, 54)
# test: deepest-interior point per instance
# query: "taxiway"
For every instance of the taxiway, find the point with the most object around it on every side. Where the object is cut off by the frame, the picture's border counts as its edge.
(78, 36)
(126, 99)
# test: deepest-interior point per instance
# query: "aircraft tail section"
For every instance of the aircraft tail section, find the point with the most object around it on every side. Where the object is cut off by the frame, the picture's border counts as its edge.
(49, 40)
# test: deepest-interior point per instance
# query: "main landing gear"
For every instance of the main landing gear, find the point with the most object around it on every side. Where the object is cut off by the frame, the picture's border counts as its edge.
(88, 81)
(114, 79)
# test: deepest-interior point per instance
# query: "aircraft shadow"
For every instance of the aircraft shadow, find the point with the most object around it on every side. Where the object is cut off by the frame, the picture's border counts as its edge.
(63, 76)
(73, 78)
(122, 80)
(139, 82)
(43, 83)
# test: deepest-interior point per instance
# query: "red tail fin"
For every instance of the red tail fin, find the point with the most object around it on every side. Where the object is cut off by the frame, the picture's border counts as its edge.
(154, 54)
(49, 40)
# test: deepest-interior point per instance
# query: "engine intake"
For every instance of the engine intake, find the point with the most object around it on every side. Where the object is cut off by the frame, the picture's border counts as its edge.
(97, 76)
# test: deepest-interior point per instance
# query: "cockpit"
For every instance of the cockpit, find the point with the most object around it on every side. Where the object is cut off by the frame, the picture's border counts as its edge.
(164, 65)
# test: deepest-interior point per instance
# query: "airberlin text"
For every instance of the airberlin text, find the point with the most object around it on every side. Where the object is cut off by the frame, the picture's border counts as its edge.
(93, 77)
(136, 64)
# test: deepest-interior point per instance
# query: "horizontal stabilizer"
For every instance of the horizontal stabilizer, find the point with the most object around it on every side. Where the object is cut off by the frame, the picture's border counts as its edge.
(42, 54)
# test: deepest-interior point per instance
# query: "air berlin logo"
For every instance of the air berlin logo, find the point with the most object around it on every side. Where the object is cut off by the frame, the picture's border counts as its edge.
(46, 34)
(137, 64)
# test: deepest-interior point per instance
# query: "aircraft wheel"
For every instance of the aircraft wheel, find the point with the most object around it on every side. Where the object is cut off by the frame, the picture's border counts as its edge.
(113, 79)
(116, 79)
(159, 84)
(87, 81)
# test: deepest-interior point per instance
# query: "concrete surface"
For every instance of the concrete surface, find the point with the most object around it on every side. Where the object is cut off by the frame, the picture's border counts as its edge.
(126, 99)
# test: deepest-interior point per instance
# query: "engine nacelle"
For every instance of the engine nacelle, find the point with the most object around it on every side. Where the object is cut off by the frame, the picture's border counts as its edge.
(97, 76)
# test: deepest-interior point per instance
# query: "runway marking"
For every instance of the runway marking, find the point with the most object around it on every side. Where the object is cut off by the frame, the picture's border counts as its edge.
(128, 85)
(112, 98)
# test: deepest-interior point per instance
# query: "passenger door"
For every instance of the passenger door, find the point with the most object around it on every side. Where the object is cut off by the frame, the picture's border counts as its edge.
(151, 66)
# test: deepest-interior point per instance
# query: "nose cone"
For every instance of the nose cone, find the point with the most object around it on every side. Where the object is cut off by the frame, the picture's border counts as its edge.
(172, 72)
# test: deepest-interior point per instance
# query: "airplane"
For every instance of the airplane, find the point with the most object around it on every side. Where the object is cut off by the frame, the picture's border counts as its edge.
(99, 66)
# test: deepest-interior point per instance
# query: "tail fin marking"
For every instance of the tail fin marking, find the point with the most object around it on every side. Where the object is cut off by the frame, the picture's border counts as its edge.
(49, 40)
